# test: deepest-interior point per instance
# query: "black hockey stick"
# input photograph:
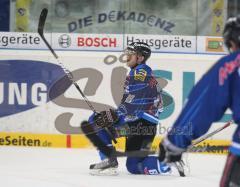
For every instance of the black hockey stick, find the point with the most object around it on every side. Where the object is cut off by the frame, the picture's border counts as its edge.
(180, 164)
(92, 135)
(201, 139)
(143, 153)
(42, 20)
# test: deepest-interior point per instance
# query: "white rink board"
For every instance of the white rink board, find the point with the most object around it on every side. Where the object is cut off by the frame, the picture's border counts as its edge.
(42, 119)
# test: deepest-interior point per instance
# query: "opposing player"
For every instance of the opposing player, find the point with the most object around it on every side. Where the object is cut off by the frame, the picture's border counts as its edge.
(138, 114)
(216, 91)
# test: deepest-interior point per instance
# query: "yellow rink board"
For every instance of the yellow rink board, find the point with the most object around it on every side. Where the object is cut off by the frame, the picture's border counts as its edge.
(80, 141)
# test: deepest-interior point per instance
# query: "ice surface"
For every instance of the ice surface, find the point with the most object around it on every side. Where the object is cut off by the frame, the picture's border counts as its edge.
(52, 167)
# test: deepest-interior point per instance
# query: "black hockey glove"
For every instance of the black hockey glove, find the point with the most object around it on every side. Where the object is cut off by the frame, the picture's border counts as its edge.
(106, 118)
(169, 153)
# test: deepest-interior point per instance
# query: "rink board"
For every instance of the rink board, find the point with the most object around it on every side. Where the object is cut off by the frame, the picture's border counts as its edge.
(80, 141)
(35, 100)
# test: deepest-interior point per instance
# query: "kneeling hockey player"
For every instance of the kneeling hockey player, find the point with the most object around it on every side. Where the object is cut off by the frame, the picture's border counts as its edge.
(139, 110)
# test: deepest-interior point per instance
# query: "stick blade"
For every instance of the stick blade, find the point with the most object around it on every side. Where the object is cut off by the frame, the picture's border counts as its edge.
(42, 20)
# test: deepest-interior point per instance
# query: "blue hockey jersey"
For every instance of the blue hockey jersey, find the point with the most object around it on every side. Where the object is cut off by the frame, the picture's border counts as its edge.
(216, 91)
(142, 96)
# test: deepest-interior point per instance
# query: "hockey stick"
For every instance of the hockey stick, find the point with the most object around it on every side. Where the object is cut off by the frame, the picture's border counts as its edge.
(41, 23)
(201, 139)
(42, 20)
(180, 164)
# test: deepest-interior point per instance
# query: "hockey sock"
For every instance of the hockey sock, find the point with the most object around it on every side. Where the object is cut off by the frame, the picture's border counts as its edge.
(93, 137)
(103, 135)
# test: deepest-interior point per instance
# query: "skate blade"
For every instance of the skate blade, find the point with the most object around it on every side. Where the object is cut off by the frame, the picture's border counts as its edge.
(104, 172)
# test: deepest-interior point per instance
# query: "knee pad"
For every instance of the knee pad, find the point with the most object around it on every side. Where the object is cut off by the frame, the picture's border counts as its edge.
(132, 165)
(152, 166)
(148, 166)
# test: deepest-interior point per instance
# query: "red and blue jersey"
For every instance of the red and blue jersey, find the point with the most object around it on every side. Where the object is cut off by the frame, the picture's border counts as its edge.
(142, 96)
(215, 92)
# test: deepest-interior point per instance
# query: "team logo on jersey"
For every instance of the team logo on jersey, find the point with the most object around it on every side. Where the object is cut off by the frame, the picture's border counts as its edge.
(227, 69)
(140, 74)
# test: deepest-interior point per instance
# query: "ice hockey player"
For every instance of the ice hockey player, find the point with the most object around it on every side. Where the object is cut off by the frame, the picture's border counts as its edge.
(216, 91)
(138, 112)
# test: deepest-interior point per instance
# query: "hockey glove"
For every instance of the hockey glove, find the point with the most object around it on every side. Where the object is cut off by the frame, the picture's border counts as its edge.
(169, 153)
(106, 118)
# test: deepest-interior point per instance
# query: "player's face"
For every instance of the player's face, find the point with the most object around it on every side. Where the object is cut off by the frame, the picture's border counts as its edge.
(131, 58)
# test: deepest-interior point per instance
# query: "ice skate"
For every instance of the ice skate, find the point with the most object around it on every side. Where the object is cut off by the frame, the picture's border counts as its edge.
(108, 166)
